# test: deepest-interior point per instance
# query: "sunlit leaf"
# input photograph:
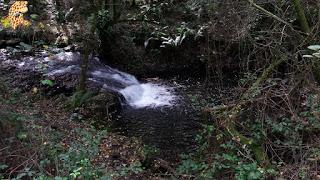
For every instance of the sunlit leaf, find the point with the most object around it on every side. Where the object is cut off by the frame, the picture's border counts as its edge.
(34, 16)
(16, 15)
(41, 25)
(5, 22)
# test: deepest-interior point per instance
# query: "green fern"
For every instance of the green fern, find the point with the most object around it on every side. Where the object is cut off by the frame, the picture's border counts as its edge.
(79, 98)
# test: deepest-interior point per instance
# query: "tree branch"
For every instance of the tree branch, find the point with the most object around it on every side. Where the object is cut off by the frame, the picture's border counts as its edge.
(269, 13)
(301, 16)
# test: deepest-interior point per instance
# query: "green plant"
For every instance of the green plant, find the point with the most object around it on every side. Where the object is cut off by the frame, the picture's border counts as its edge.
(203, 139)
(76, 162)
(248, 172)
(247, 79)
(104, 19)
(133, 168)
(8, 118)
(198, 101)
(2, 167)
(195, 163)
(149, 151)
(47, 82)
(303, 171)
(79, 98)
(27, 172)
(228, 157)
(200, 8)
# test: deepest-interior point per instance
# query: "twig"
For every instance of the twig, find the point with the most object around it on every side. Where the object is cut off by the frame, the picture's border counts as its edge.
(4, 148)
(13, 170)
(269, 13)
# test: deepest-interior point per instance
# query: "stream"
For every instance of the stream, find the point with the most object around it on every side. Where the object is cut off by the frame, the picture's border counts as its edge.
(154, 110)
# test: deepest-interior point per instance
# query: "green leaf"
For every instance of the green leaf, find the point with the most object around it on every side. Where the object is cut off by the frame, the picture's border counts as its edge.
(22, 135)
(254, 175)
(314, 47)
(60, 178)
(34, 16)
(3, 166)
(47, 82)
(21, 175)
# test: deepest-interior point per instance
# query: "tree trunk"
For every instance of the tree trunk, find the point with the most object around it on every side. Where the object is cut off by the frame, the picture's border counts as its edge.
(301, 16)
(87, 51)
(115, 7)
(83, 69)
(318, 5)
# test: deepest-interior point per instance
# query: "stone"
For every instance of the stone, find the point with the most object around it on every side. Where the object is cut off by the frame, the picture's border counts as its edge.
(13, 42)
(2, 43)
(69, 48)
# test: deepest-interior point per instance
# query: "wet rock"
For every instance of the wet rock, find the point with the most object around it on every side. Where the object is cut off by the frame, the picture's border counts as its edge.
(13, 42)
(69, 48)
(2, 43)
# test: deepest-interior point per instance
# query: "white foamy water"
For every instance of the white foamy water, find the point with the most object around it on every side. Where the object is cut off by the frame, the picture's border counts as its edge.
(148, 95)
(136, 94)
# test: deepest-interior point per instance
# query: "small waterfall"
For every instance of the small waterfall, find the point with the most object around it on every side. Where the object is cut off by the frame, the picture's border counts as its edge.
(136, 94)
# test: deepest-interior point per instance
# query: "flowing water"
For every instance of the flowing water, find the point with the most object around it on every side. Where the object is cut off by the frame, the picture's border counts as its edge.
(136, 94)
(153, 111)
